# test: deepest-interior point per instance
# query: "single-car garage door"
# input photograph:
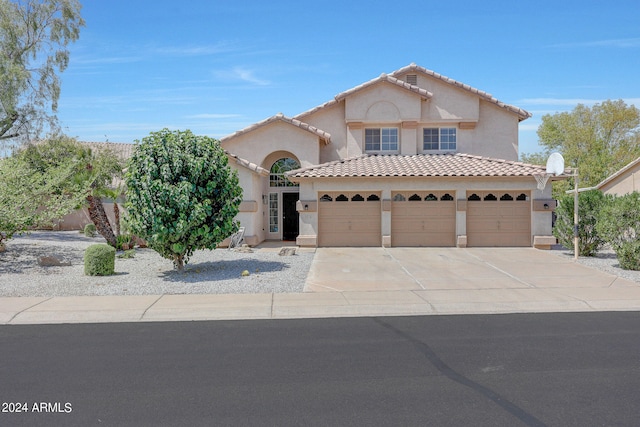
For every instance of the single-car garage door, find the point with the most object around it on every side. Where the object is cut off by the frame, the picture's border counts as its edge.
(498, 218)
(349, 219)
(423, 219)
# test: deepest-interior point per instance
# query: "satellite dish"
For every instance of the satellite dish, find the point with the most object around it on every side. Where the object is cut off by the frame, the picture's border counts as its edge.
(555, 164)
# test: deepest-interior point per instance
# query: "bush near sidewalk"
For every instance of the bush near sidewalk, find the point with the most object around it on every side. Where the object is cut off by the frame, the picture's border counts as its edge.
(99, 260)
(619, 225)
(589, 204)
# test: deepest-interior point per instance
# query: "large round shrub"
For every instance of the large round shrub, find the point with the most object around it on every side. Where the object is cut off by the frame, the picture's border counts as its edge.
(99, 260)
(181, 194)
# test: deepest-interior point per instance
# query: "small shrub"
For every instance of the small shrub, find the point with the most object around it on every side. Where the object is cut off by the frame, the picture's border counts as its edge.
(629, 255)
(90, 230)
(128, 254)
(589, 204)
(128, 240)
(99, 260)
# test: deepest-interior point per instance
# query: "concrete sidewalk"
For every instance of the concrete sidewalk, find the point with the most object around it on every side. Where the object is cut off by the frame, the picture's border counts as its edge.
(370, 282)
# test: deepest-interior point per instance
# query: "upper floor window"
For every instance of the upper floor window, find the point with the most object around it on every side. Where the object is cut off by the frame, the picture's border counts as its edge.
(439, 139)
(381, 139)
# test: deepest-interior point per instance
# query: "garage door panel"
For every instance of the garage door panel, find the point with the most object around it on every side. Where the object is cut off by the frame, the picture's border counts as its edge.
(349, 223)
(423, 223)
(499, 222)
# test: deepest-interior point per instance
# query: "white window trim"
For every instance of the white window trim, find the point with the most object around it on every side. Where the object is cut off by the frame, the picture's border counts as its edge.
(381, 151)
(439, 149)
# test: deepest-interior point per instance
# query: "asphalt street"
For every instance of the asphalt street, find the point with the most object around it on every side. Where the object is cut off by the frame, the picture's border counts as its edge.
(565, 369)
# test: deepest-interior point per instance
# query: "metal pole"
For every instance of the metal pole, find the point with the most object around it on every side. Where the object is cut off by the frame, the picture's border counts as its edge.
(575, 215)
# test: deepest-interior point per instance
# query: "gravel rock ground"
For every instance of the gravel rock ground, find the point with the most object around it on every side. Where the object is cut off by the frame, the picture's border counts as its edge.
(208, 272)
(606, 261)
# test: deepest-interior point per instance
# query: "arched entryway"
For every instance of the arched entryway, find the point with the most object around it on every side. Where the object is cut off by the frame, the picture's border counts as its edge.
(283, 218)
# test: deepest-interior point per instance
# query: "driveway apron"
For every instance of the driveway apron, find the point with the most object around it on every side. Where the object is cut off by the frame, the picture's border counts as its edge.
(392, 269)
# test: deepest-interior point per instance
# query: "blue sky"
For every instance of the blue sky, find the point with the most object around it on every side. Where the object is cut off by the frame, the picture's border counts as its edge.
(218, 66)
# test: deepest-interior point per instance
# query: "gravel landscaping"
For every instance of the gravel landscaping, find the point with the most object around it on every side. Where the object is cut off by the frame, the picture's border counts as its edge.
(605, 261)
(208, 272)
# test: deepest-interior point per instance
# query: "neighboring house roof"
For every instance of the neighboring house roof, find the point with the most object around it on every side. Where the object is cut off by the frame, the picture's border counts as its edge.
(124, 151)
(121, 149)
(325, 136)
(523, 114)
(618, 174)
(419, 165)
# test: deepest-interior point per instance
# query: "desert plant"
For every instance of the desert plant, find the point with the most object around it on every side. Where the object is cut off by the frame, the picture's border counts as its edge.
(90, 230)
(99, 260)
(125, 241)
(131, 253)
(589, 204)
(619, 226)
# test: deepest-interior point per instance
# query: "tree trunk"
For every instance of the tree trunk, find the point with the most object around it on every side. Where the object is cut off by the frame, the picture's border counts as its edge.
(99, 218)
(116, 214)
(178, 261)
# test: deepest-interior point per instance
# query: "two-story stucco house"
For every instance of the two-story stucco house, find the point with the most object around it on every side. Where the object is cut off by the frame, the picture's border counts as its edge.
(410, 158)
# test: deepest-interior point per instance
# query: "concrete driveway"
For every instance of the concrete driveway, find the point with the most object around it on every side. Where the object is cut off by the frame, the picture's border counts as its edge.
(447, 269)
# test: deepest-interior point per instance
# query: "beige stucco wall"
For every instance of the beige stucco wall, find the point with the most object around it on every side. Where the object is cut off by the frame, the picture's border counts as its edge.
(382, 102)
(488, 130)
(77, 219)
(250, 215)
(627, 182)
(257, 145)
(495, 135)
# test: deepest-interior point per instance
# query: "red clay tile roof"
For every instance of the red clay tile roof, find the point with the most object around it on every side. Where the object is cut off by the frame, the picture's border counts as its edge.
(419, 165)
(325, 136)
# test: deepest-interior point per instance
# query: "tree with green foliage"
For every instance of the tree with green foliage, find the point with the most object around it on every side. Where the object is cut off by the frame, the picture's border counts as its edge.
(34, 35)
(589, 204)
(45, 181)
(181, 194)
(619, 226)
(34, 196)
(598, 140)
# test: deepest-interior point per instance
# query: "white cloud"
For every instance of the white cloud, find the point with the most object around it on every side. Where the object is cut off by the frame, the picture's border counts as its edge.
(557, 101)
(567, 103)
(202, 50)
(242, 74)
(615, 43)
(213, 116)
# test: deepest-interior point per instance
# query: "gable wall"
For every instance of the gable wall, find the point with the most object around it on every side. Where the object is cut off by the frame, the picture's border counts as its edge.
(448, 104)
(625, 183)
(257, 145)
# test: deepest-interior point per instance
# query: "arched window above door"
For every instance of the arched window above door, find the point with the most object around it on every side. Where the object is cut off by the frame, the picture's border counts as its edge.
(277, 177)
